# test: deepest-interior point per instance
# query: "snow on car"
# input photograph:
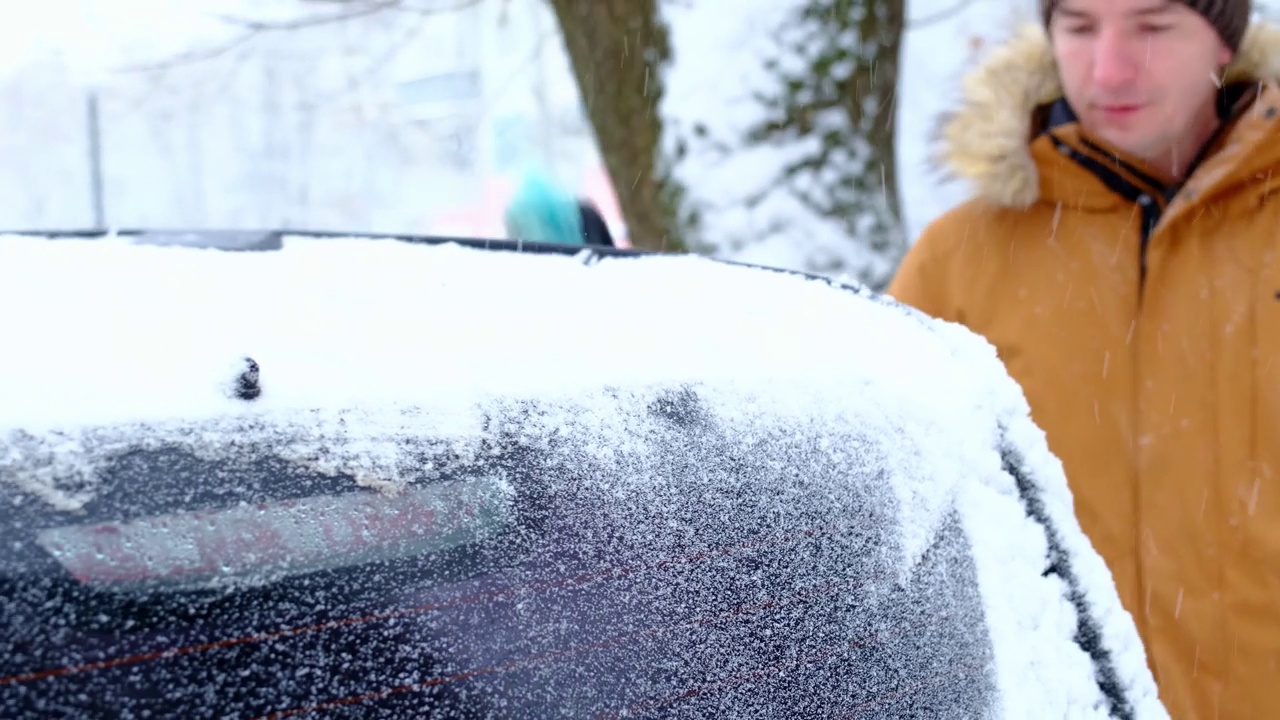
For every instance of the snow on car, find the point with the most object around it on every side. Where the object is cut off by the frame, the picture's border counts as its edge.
(276, 475)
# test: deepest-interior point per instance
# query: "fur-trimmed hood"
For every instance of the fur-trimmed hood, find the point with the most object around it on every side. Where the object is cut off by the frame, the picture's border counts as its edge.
(987, 140)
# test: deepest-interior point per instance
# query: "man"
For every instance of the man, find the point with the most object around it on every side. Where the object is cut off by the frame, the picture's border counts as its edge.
(1122, 253)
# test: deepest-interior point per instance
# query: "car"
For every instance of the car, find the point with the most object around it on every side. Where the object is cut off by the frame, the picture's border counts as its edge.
(289, 474)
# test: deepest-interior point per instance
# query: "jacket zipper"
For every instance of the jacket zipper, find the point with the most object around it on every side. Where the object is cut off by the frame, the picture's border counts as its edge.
(1150, 217)
(1149, 207)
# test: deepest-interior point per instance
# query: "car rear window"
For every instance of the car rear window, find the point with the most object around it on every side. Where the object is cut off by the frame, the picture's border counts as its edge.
(700, 567)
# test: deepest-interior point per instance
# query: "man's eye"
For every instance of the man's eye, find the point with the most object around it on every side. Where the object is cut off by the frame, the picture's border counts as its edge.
(1078, 29)
(1154, 29)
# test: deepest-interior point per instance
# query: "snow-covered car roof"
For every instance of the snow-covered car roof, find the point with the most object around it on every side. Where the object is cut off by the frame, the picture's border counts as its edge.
(332, 350)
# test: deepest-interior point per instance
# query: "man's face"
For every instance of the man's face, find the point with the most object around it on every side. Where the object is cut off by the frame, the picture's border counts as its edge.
(1140, 74)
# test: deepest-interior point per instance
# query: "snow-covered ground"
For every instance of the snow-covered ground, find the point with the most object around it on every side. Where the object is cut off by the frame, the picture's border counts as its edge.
(133, 340)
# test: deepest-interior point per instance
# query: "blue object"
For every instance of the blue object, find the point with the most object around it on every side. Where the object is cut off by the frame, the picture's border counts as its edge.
(543, 211)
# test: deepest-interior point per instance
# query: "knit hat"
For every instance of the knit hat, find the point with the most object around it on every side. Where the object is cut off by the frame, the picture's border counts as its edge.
(1228, 17)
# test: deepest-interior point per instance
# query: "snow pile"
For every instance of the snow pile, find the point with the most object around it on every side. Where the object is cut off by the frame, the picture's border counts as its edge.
(364, 346)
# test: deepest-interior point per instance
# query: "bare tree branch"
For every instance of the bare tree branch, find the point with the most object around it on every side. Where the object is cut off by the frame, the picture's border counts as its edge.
(191, 56)
(252, 28)
(392, 51)
(456, 6)
(938, 16)
(363, 10)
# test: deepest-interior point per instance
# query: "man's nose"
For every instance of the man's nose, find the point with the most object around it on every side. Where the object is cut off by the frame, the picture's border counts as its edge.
(1117, 58)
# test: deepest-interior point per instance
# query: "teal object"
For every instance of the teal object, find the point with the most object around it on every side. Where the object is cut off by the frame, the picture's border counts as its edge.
(543, 211)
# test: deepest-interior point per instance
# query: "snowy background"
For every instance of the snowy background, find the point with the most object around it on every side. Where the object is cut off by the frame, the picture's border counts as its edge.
(400, 122)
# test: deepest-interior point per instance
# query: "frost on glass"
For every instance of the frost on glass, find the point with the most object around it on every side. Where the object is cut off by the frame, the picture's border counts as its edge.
(702, 560)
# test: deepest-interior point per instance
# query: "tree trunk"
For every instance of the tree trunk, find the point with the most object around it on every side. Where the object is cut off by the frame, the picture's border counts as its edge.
(617, 49)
